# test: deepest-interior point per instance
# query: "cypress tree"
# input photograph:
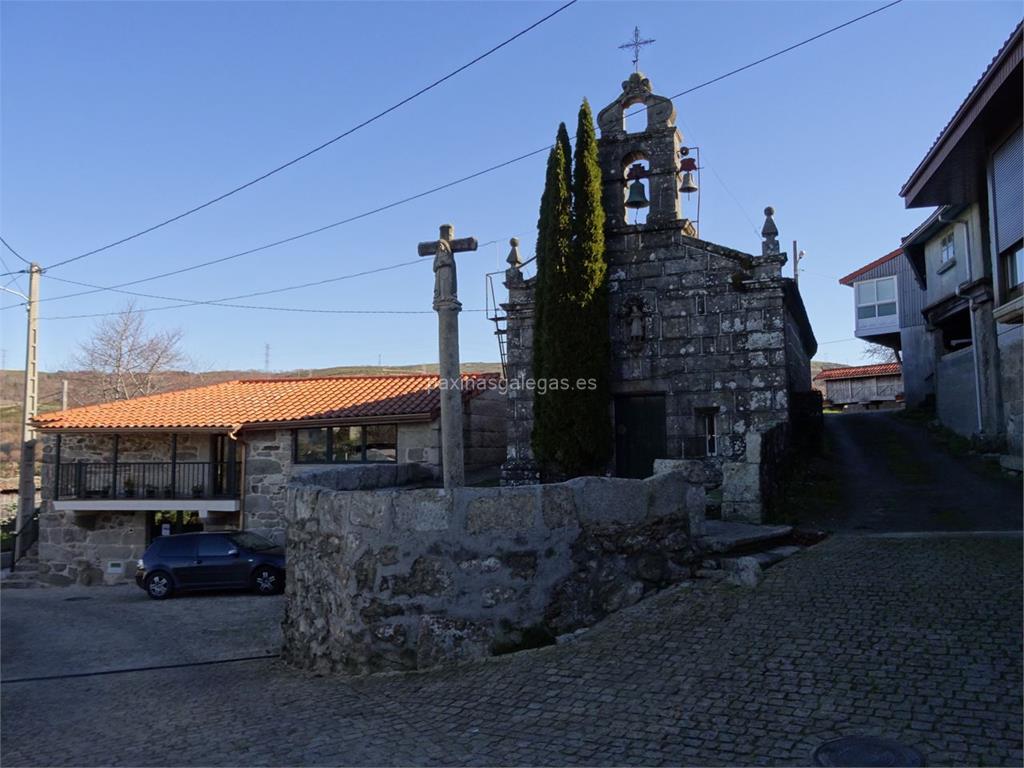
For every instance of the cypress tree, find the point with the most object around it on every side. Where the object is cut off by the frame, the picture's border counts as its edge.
(589, 347)
(572, 432)
(554, 239)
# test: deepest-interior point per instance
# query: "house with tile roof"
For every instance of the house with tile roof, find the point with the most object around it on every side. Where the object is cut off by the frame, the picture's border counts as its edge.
(968, 255)
(117, 475)
(862, 385)
(887, 303)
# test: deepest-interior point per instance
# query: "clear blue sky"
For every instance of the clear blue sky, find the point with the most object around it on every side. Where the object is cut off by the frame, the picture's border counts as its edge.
(117, 115)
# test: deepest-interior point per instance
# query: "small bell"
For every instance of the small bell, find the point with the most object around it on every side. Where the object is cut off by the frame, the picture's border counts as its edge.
(637, 195)
(688, 185)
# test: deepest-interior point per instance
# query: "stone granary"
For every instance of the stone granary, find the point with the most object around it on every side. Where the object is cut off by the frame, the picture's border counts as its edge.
(710, 345)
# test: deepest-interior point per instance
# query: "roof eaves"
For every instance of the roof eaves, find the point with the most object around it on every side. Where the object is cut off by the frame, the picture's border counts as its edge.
(848, 280)
(1013, 41)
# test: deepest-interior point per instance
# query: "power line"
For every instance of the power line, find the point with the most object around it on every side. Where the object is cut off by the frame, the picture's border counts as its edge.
(268, 292)
(9, 248)
(441, 187)
(222, 302)
(311, 310)
(322, 146)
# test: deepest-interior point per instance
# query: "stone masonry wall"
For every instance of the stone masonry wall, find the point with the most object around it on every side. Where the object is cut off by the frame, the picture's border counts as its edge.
(268, 466)
(485, 430)
(403, 579)
(519, 468)
(713, 335)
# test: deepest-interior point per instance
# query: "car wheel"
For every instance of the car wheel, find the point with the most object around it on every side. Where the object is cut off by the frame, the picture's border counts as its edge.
(267, 580)
(159, 586)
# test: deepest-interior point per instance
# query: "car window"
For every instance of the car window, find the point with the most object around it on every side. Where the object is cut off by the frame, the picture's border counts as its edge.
(252, 541)
(214, 546)
(178, 546)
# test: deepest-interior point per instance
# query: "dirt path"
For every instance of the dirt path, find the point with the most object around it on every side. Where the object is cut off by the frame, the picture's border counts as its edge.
(891, 475)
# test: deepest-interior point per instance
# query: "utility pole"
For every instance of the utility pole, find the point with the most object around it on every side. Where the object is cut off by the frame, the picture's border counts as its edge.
(30, 403)
(797, 255)
(30, 407)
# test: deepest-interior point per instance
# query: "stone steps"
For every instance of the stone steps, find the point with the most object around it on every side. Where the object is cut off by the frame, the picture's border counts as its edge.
(739, 553)
(721, 537)
(26, 571)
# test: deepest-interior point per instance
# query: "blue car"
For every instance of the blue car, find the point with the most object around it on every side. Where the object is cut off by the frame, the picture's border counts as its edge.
(224, 560)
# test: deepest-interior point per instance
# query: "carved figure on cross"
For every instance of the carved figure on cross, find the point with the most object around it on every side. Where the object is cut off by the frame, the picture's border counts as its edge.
(446, 282)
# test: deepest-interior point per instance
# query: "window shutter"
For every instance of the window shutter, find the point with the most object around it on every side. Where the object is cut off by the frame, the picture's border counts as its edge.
(1008, 184)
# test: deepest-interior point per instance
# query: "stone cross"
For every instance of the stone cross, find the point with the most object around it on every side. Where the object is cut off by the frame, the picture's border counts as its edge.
(447, 306)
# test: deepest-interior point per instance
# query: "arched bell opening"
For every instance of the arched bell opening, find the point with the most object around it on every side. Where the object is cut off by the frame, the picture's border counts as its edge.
(637, 188)
(635, 117)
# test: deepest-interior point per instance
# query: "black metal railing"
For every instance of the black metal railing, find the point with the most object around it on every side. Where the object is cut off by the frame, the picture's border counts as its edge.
(149, 480)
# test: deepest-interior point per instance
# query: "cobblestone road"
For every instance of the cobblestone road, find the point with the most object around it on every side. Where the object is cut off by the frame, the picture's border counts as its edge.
(917, 639)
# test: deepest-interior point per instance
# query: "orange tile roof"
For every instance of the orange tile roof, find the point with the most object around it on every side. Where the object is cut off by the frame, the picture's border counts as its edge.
(860, 371)
(848, 280)
(252, 402)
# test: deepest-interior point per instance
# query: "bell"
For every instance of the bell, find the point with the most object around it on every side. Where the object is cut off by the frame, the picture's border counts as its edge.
(689, 185)
(637, 195)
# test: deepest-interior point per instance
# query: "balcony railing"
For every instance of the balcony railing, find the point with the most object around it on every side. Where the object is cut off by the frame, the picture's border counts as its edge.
(149, 480)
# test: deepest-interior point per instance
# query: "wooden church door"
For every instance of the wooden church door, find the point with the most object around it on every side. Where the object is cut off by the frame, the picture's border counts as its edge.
(639, 434)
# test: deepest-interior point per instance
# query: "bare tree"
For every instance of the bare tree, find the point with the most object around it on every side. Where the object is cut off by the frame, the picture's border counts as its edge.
(878, 353)
(128, 359)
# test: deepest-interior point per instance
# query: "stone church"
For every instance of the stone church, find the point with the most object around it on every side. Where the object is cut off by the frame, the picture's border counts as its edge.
(711, 346)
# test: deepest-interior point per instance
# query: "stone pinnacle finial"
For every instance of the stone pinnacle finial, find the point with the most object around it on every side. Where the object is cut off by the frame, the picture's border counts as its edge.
(513, 256)
(770, 233)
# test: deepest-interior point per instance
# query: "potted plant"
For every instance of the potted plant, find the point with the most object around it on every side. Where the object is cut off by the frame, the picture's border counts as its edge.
(129, 487)
(168, 491)
(197, 491)
(150, 491)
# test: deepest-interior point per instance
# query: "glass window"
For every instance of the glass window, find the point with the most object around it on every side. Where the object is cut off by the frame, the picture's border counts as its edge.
(253, 541)
(1018, 267)
(382, 442)
(348, 444)
(876, 298)
(885, 290)
(214, 546)
(948, 247)
(178, 546)
(311, 446)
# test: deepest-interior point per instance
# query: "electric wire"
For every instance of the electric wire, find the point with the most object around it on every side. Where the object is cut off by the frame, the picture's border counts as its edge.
(9, 248)
(441, 187)
(320, 147)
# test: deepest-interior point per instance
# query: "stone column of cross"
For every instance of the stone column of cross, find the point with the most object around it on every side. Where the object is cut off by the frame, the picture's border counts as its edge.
(447, 306)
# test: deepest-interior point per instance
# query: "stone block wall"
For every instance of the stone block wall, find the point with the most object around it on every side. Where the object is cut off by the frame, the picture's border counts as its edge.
(485, 430)
(404, 579)
(268, 467)
(714, 334)
(520, 467)
(752, 485)
(78, 548)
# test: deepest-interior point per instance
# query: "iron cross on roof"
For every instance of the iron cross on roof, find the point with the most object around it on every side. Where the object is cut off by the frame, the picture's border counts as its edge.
(636, 44)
